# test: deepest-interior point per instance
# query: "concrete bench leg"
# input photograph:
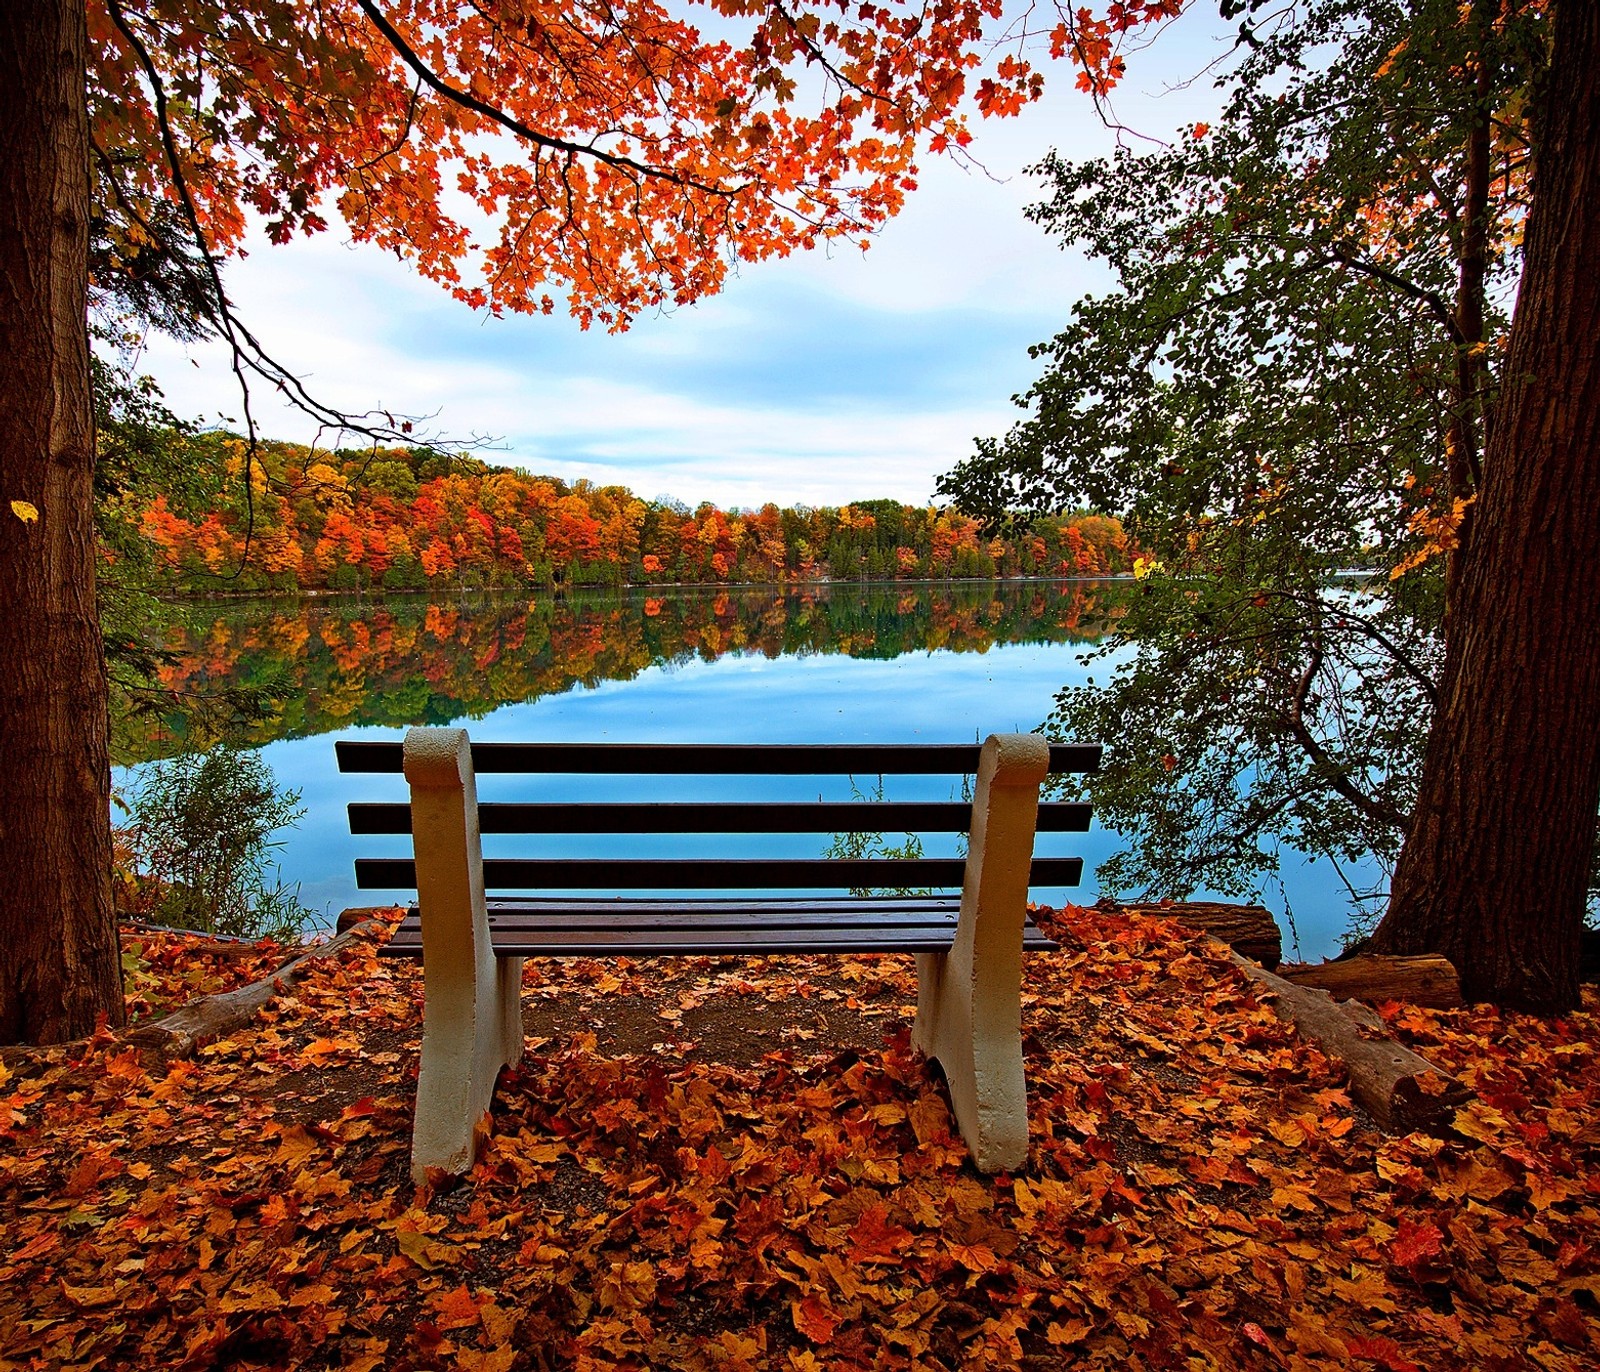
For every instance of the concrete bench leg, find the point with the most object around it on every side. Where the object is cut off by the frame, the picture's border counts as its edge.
(472, 1014)
(969, 1000)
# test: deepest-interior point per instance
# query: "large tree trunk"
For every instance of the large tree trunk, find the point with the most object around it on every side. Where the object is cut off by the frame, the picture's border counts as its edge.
(1495, 868)
(59, 964)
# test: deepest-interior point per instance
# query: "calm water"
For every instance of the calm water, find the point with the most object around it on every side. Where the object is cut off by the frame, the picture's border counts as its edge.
(947, 663)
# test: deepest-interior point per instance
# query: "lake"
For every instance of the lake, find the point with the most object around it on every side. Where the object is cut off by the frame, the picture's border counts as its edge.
(939, 662)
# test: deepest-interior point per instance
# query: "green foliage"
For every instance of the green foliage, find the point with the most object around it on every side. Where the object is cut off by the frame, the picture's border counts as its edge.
(1239, 720)
(393, 479)
(199, 839)
(1273, 394)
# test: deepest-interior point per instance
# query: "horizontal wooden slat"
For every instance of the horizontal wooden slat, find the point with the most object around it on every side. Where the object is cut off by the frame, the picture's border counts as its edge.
(566, 912)
(892, 907)
(750, 874)
(746, 943)
(718, 759)
(644, 928)
(813, 817)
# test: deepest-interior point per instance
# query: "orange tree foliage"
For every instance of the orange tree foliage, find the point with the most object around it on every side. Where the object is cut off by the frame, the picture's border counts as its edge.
(411, 518)
(619, 156)
(739, 1164)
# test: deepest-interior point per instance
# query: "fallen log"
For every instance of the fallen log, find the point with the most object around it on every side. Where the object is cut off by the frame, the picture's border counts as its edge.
(1400, 1089)
(360, 914)
(1429, 980)
(213, 1017)
(214, 945)
(1248, 929)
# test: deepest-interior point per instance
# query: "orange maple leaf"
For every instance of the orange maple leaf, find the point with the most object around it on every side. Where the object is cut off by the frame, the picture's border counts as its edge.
(458, 1309)
(814, 1318)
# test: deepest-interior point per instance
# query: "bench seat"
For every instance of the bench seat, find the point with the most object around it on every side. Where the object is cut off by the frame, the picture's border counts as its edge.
(552, 927)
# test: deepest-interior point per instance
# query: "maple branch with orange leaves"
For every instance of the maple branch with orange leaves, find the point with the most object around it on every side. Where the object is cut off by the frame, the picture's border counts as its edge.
(466, 100)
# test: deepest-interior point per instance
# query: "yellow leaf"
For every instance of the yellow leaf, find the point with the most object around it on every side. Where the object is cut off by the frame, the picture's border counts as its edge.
(496, 1360)
(976, 1257)
(25, 512)
(1292, 1198)
(295, 1145)
(424, 1251)
(1546, 1191)
(319, 1050)
(1479, 1121)
(248, 1296)
(1287, 1132)
(88, 1297)
(1065, 1333)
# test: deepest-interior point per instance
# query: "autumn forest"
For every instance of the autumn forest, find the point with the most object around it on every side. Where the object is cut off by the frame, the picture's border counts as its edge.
(415, 518)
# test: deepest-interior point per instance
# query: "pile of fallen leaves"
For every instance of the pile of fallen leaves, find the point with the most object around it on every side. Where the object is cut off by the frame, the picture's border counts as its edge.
(724, 1163)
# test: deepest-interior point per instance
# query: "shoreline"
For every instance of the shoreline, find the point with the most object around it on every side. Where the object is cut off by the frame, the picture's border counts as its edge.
(562, 592)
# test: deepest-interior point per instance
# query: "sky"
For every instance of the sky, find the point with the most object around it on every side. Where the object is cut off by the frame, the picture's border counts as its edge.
(817, 380)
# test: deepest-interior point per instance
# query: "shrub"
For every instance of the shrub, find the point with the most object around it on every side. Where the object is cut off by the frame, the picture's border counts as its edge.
(199, 841)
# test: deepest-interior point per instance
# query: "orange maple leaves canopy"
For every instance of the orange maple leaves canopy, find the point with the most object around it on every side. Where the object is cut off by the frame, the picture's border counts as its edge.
(516, 149)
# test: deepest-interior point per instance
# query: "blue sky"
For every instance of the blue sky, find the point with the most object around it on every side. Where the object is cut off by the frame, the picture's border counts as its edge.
(818, 379)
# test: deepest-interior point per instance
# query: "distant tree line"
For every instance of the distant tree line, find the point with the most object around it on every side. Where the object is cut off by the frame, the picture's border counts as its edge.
(417, 518)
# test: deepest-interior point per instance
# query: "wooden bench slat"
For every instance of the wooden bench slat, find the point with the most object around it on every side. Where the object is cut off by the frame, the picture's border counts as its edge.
(755, 906)
(736, 943)
(544, 934)
(743, 874)
(725, 759)
(651, 817)
(690, 917)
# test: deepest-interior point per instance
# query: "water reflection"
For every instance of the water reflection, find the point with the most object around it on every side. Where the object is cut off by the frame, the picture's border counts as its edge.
(886, 663)
(406, 660)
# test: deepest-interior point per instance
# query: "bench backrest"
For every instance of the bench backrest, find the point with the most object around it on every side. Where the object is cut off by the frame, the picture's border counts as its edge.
(698, 817)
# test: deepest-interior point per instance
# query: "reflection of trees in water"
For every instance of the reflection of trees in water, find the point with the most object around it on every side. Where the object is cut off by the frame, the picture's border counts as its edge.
(410, 660)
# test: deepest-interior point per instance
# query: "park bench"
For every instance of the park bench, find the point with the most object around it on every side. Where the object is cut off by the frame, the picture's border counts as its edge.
(969, 947)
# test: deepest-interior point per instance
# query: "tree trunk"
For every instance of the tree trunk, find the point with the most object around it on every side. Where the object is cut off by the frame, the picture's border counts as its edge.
(59, 963)
(1495, 868)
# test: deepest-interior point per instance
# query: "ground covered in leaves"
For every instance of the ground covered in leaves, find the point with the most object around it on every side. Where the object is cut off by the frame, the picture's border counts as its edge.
(709, 1163)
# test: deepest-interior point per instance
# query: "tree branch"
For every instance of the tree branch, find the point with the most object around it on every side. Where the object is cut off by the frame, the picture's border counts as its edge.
(246, 353)
(496, 115)
(1335, 776)
(1345, 256)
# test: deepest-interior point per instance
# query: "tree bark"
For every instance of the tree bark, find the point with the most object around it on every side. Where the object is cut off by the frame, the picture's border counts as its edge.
(59, 963)
(1495, 868)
